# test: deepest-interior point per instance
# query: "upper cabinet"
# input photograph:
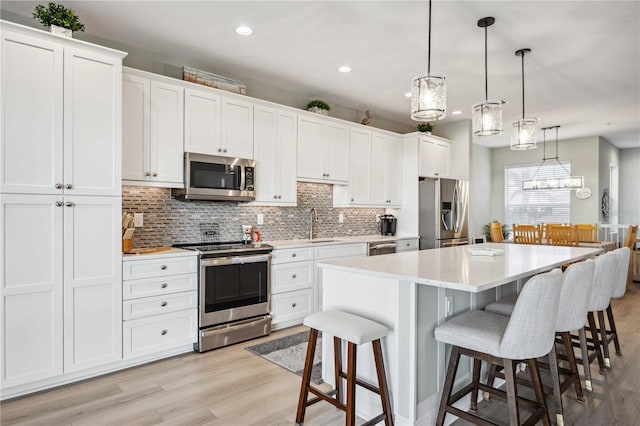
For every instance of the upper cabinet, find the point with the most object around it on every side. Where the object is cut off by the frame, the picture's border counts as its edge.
(359, 167)
(434, 156)
(152, 138)
(323, 150)
(217, 124)
(62, 116)
(275, 139)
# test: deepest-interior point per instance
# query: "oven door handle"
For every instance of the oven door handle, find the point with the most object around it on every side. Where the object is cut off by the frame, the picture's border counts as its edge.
(236, 260)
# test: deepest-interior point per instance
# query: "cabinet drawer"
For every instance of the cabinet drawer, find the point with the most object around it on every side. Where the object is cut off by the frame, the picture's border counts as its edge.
(158, 286)
(407, 245)
(291, 255)
(158, 333)
(291, 305)
(134, 269)
(147, 306)
(343, 250)
(291, 276)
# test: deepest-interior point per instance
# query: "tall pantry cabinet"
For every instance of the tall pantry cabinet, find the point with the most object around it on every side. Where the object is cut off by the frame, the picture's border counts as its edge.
(60, 196)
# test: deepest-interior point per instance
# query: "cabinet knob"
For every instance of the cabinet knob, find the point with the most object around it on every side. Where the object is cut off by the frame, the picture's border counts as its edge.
(219, 149)
(164, 285)
(59, 203)
(352, 199)
(147, 174)
(68, 204)
(293, 276)
(293, 255)
(58, 186)
(293, 305)
(163, 267)
(275, 197)
(279, 197)
(435, 174)
(408, 244)
(68, 186)
(163, 304)
(163, 332)
(224, 150)
(154, 174)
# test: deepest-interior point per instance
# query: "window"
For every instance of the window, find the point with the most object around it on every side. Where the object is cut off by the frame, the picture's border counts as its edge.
(538, 206)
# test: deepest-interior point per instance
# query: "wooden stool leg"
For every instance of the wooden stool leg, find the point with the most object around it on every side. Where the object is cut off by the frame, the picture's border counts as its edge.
(596, 341)
(493, 369)
(476, 381)
(351, 384)
(512, 393)
(603, 339)
(573, 365)
(454, 359)
(555, 379)
(612, 325)
(337, 367)
(306, 376)
(382, 383)
(585, 359)
(537, 387)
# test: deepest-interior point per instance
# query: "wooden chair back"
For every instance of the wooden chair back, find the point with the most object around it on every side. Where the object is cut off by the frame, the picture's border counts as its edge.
(587, 233)
(632, 235)
(527, 234)
(495, 232)
(562, 235)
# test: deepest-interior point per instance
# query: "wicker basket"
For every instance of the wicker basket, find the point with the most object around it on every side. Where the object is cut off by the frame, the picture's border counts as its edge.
(197, 76)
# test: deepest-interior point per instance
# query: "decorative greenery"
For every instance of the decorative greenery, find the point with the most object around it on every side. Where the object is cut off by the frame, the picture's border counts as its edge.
(425, 127)
(319, 104)
(56, 14)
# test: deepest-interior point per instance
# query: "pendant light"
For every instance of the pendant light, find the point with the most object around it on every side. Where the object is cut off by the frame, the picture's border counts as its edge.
(524, 132)
(429, 92)
(565, 182)
(487, 115)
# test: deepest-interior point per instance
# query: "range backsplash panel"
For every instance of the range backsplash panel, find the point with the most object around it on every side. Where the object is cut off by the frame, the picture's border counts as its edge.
(168, 221)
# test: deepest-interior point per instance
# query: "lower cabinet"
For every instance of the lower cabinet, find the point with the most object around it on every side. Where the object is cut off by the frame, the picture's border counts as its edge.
(407, 245)
(160, 304)
(291, 286)
(326, 253)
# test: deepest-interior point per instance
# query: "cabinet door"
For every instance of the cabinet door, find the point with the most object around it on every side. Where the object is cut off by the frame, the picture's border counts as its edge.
(434, 156)
(310, 147)
(393, 172)
(336, 157)
(441, 156)
(427, 158)
(287, 153)
(237, 128)
(32, 109)
(201, 122)
(266, 154)
(92, 282)
(166, 148)
(92, 123)
(360, 166)
(31, 270)
(378, 166)
(136, 118)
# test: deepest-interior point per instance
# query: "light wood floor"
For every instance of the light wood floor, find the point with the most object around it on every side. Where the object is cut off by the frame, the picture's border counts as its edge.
(231, 386)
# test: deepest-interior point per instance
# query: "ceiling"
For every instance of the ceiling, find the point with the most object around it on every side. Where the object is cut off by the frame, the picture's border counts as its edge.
(583, 72)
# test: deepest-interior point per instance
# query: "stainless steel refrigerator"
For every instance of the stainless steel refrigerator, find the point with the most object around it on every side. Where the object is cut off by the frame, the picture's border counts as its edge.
(444, 208)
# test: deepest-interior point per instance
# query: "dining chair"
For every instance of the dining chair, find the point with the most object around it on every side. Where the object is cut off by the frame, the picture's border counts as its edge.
(587, 232)
(495, 232)
(527, 234)
(562, 235)
(632, 235)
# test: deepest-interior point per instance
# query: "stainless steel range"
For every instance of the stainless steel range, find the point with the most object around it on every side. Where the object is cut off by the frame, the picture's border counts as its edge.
(234, 292)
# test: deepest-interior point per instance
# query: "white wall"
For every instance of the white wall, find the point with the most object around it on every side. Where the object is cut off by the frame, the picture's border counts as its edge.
(479, 190)
(629, 189)
(609, 168)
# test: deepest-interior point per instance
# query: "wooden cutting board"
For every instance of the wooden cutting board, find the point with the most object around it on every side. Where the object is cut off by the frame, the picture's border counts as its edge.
(148, 250)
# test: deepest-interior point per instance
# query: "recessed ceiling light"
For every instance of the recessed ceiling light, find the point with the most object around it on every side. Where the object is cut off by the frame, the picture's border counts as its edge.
(344, 68)
(243, 30)
(456, 112)
(407, 95)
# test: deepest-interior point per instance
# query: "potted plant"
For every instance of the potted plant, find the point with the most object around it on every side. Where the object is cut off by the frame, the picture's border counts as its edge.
(425, 128)
(319, 107)
(59, 19)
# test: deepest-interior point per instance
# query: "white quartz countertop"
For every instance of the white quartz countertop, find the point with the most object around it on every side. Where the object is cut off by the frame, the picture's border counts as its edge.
(456, 268)
(173, 252)
(337, 240)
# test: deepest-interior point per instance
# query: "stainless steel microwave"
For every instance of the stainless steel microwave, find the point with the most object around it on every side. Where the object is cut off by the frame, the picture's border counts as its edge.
(215, 178)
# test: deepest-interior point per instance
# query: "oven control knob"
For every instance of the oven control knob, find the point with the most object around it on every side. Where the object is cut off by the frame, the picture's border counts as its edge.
(163, 285)
(163, 304)
(163, 332)
(293, 276)
(163, 267)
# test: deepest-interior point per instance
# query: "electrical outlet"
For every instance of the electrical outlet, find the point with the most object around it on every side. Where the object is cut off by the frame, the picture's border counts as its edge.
(448, 306)
(138, 220)
(341, 218)
(260, 219)
(377, 218)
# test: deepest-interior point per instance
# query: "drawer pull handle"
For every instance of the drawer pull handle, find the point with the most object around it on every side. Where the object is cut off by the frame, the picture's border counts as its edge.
(163, 304)
(164, 285)
(163, 332)
(163, 267)
(408, 244)
(293, 276)
(293, 255)
(293, 305)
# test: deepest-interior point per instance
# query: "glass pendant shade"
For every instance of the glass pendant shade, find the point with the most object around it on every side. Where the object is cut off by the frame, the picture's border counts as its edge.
(428, 98)
(524, 134)
(487, 118)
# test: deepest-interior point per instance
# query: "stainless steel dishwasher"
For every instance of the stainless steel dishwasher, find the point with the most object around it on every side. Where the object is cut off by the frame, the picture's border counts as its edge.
(381, 247)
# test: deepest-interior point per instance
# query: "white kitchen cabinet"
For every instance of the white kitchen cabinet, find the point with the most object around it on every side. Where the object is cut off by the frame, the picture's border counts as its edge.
(434, 156)
(275, 141)
(360, 167)
(160, 304)
(386, 166)
(332, 252)
(292, 281)
(217, 124)
(152, 139)
(407, 245)
(62, 115)
(323, 150)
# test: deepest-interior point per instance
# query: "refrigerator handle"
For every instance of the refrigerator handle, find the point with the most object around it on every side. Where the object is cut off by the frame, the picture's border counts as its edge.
(444, 222)
(454, 210)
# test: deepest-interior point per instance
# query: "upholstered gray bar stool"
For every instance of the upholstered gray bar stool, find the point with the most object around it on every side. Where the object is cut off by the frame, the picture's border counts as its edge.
(577, 282)
(355, 330)
(502, 340)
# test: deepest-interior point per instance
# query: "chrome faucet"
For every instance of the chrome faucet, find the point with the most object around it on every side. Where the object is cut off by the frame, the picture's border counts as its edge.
(314, 212)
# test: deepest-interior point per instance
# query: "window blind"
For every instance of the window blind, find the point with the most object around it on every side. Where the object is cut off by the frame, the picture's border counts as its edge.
(539, 206)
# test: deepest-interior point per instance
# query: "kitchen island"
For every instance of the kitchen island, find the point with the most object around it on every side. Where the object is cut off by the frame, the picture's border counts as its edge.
(411, 293)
